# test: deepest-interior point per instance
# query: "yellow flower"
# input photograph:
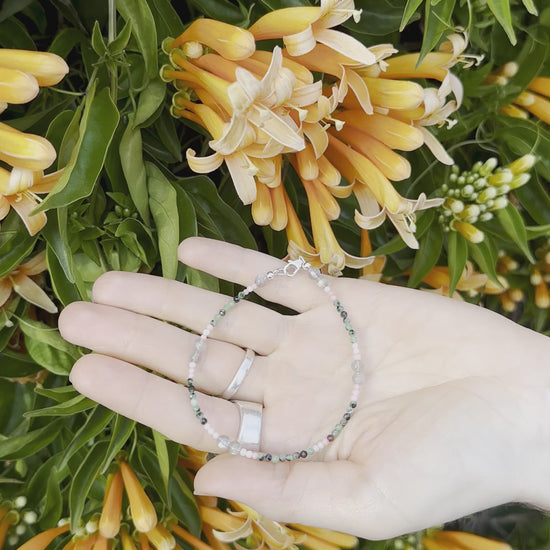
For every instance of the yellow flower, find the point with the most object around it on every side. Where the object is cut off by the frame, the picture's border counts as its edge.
(5, 523)
(455, 540)
(42, 540)
(372, 272)
(141, 508)
(16, 86)
(25, 150)
(302, 27)
(47, 68)
(470, 281)
(19, 281)
(467, 230)
(161, 538)
(109, 522)
(19, 189)
(244, 523)
(228, 40)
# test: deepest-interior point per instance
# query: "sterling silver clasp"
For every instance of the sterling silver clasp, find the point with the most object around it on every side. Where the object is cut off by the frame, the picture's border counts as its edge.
(293, 266)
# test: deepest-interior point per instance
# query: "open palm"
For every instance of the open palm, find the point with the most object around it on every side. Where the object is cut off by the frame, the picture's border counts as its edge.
(446, 421)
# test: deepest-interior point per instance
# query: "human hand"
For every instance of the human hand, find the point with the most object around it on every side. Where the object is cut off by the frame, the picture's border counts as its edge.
(450, 419)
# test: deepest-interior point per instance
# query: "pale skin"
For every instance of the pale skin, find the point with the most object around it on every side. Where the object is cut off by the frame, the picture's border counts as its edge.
(452, 417)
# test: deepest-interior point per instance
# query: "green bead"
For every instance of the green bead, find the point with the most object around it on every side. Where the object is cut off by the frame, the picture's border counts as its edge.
(275, 459)
(310, 451)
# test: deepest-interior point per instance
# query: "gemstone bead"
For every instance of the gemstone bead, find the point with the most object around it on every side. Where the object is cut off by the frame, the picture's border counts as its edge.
(358, 378)
(357, 366)
(234, 447)
(223, 442)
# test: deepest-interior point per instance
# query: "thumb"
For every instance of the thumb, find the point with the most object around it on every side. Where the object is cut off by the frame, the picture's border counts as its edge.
(320, 494)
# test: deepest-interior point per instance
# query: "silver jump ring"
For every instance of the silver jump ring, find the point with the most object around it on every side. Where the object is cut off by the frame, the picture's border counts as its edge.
(240, 375)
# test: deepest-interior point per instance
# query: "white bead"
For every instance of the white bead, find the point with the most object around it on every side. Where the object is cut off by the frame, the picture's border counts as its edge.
(358, 378)
(242, 452)
(355, 347)
(192, 365)
(249, 454)
(316, 447)
(327, 289)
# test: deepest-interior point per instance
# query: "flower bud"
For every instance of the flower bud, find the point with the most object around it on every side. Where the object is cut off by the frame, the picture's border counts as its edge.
(30, 517)
(48, 68)
(507, 303)
(454, 205)
(141, 509)
(16, 86)
(486, 216)
(535, 278)
(516, 294)
(522, 164)
(501, 177)
(20, 502)
(469, 231)
(161, 538)
(509, 69)
(520, 180)
(542, 297)
(500, 202)
(486, 194)
(488, 166)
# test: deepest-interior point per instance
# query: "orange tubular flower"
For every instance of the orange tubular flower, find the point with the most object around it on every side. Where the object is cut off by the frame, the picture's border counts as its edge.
(47, 68)
(142, 510)
(42, 540)
(19, 281)
(109, 522)
(264, 108)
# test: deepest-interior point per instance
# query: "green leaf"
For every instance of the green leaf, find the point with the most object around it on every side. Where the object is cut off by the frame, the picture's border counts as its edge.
(138, 239)
(537, 231)
(52, 502)
(16, 365)
(30, 443)
(97, 127)
(534, 198)
(184, 504)
(149, 102)
(82, 481)
(65, 290)
(163, 458)
(152, 466)
(457, 254)
(501, 10)
(427, 255)
(47, 348)
(222, 217)
(68, 408)
(120, 433)
(117, 46)
(11, 7)
(485, 255)
(167, 20)
(438, 20)
(57, 237)
(13, 34)
(223, 10)
(65, 40)
(94, 425)
(98, 44)
(410, 9)
(131, 158)
(143, 30)
(513, 224)
(164, 208)
(15, 244)
(59, 394)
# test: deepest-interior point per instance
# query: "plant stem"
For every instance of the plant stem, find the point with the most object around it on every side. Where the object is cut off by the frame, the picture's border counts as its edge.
(110, 37)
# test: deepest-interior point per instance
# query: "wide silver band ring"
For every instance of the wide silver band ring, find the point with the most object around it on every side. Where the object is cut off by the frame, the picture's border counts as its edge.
(251, 424)
(240, 375)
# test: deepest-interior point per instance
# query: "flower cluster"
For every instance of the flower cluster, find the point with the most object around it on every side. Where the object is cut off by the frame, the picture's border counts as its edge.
(471, 282)
(27, 155)
(534, 100)
(265, 109)
(243, 527)
(474, 195)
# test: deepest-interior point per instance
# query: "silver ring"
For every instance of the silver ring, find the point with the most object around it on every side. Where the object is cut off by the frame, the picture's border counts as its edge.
(251, 424)
(240, 375)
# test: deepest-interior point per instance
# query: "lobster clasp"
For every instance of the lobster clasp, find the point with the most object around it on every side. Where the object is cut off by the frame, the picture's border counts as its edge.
(293, 266)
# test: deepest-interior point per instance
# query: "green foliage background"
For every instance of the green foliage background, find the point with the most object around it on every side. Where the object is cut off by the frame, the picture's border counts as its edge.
(127, 198)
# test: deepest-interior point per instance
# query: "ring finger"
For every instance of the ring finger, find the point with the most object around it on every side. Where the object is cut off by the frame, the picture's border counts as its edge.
(161, 347)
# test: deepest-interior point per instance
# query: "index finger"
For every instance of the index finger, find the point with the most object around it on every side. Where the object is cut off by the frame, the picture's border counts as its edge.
(241, 265)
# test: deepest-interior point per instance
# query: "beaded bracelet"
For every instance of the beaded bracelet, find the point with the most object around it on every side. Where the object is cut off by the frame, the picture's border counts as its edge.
(234, 447)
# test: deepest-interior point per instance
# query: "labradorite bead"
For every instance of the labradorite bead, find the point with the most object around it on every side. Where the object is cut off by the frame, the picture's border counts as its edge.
(203, 421)
(268, 457)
